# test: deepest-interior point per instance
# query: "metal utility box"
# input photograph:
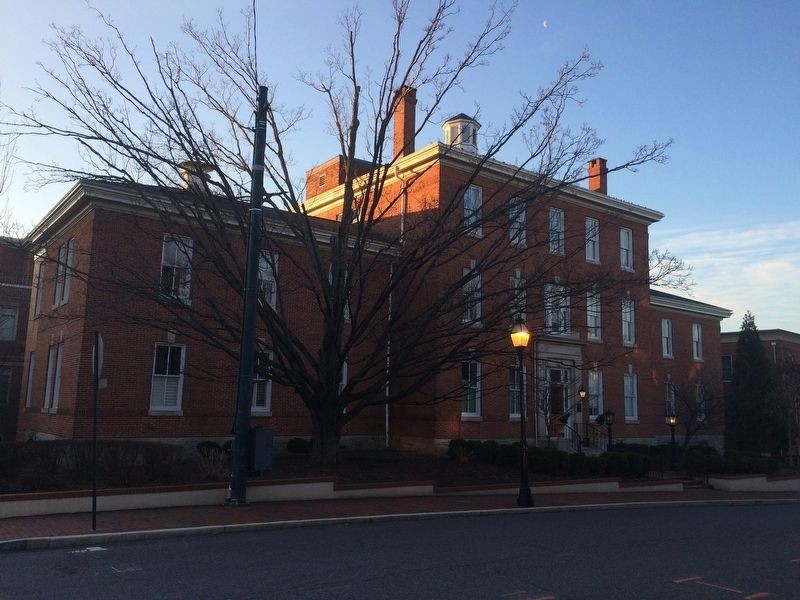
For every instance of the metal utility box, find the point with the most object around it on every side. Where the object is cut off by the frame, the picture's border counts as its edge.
(259, 449)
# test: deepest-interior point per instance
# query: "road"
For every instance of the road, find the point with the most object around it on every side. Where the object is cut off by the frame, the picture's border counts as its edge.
(742, 552)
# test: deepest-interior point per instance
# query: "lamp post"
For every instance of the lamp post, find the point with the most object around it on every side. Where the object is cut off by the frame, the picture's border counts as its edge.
(519, 339)
(672, 421)
(608, 419)
(582, 439)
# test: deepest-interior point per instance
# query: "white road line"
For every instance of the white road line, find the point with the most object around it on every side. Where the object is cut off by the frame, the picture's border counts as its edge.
(88, 549)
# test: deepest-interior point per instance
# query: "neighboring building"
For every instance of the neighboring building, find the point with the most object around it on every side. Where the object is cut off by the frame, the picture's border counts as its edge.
(15, 289)
(783, 351)
(626, 345)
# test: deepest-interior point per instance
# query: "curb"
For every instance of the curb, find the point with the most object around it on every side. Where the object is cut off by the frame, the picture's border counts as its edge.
(67, 541)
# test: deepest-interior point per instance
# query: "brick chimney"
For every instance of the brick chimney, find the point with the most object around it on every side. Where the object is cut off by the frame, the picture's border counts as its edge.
(405, 123)
(598, 175)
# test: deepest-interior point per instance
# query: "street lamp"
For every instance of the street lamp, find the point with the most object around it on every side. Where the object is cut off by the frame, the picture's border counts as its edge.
(672, 421)
(519, 339)
(608, 419)
(583, 438)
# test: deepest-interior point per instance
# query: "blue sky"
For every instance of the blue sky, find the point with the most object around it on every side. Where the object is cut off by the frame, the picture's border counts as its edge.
(720, 77)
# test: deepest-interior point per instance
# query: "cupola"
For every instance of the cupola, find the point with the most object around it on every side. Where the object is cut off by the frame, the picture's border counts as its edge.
(461, 132)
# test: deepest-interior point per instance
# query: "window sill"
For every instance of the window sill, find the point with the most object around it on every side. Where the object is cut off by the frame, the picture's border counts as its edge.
(593, 262)
(50, 411)
(626, 269)
(667, 356)
(514, 418)
(698, 360)
(471, 418)
(632, 421)
(595, 340)
(154, 412)
(261, 413)
(629, 344)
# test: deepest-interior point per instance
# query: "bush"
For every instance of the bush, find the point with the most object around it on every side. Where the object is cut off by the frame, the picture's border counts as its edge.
(548, 461)
(299, 446)
(487, 453)
(12, 458)
(213, 461)
(507, 454)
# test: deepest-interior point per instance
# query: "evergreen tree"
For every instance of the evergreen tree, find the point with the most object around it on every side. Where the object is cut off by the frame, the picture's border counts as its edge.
(747, 421)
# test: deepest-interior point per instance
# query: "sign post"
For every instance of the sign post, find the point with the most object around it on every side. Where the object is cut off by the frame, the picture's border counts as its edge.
(97, 365)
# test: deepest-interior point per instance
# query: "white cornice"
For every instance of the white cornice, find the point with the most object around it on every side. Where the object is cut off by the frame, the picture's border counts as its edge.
(491, 167)
(687, 305)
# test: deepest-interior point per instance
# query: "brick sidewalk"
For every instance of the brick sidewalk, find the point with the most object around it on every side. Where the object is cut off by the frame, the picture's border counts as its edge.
(298, 511)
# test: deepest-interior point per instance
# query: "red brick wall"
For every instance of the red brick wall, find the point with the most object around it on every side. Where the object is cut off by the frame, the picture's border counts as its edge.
(15, 280)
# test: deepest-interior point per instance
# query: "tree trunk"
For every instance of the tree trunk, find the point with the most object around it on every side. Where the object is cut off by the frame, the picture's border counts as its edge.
(325, 437)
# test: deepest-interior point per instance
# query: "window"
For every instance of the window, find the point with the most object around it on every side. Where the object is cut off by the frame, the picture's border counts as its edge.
(626, 248)
(471, 399)
(5, 385)
(666, 338)
(519, 297)
(700, 402)
(595, 393)
(472, 294)
(697, 341)
(516, 383)
(8, 323)
(37, 310)
(267, 281)
(343, 380)
(631, 400)
(628, 323)
(727, 368)
(176, 266)
(52, 392)
(556, 309)
(345, 283)
(63, 273)
(472, 210)
(592, 240)
(262, 384)
(31, 371)
(556, 231)
(516, 221)
(593, 331)
(669, 397)
(167, 387)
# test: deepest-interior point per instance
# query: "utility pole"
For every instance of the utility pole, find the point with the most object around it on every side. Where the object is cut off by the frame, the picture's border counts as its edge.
(237, 493)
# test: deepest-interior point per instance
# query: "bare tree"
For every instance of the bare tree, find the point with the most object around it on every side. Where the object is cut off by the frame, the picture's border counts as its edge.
(383, 305)
(698, 410)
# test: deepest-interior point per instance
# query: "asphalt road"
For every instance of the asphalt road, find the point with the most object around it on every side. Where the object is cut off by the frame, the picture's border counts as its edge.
(743, 552)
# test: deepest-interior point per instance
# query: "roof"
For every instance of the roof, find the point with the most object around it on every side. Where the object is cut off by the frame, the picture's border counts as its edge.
(664, 300)
(462, 117)
(766, 335)
(138, 196)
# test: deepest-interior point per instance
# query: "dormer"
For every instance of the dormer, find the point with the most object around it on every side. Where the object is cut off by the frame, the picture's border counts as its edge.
(461, 132)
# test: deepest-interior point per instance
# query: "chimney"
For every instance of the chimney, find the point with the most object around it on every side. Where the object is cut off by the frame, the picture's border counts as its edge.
(194, 174)
(598, 175)
(404, 121)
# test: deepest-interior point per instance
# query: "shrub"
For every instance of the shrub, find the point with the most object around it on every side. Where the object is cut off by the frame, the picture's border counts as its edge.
(507, 454)
(299, 446)
(487, 452)
(160, 462)
(12, 459)
(548, 461)
(213, 459)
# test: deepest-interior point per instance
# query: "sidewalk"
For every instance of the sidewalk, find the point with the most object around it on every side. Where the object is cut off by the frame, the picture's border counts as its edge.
(75, 529)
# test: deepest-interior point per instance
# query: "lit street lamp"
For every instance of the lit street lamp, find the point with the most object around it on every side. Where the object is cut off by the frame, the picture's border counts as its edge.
(519, 339)
(672, 421)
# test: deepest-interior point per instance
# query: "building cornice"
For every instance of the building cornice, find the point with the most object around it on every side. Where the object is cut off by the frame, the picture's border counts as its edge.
(491, 168)
(660, 299)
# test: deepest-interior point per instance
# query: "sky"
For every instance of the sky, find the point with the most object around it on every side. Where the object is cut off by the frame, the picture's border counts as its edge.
(720, 77)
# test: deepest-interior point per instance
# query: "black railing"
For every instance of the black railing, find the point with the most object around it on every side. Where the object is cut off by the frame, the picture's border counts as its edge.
(586, 435)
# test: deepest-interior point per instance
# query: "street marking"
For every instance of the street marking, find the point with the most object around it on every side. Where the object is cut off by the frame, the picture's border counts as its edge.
(88, 549)
(795, 560)
(519, 593)
(687, 579)
(132, 569)
(719, 587)
(757, 595)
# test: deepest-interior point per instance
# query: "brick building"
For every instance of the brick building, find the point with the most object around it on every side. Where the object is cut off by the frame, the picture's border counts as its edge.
(783, 351)
(576, 268)
(597, 324)
(15, 287)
